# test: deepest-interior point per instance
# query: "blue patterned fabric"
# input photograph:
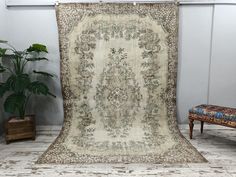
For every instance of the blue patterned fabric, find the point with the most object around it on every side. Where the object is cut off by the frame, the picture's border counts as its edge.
(218, 112)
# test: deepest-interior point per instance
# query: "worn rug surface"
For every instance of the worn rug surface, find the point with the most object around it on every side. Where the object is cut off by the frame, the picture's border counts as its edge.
(118, 73)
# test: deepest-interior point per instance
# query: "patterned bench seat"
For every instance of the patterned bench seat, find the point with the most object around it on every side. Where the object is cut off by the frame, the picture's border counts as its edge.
(212, 114)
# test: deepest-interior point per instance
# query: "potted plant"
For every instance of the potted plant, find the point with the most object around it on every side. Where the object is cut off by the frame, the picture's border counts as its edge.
(19, 86)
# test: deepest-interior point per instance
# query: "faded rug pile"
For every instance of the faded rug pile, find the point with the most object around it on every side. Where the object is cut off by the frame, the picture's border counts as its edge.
(118, 73)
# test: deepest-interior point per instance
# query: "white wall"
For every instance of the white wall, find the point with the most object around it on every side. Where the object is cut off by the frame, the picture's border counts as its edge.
(223, 65)
(195, 26)
(198, 47)
(207, 57)
(27, 25)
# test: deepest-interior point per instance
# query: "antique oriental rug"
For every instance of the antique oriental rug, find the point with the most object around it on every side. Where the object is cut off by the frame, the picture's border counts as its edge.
(118, 73)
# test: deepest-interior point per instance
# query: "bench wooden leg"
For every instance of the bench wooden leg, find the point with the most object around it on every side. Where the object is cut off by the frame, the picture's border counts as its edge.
(191, 125)
(202, 124)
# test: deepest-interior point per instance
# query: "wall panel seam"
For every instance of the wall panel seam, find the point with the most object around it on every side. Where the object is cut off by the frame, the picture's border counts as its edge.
(211, 54)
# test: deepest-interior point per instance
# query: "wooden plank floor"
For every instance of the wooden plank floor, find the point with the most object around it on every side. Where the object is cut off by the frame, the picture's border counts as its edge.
(217, 144)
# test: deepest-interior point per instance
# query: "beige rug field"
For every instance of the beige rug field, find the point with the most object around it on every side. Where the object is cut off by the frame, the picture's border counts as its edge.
(118, 73)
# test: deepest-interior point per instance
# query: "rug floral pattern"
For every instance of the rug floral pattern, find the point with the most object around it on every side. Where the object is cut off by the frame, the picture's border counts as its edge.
(118, 95)
(118, 73)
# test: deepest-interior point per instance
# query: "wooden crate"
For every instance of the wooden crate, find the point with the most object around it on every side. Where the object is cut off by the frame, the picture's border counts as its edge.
(17, 129)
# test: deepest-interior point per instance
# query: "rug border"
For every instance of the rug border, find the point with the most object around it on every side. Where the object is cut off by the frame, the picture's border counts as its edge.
(172, 91)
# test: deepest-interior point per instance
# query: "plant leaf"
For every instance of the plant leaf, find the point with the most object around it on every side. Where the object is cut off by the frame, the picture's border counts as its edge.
(22, 82)
(10, 82)
(38, 88)
(43, 73)
(6, 56)
(2, 69)
(2, 41)
(19, 53)
(2, 52)
(36, 59)
(14, 102)
(18, 83)
(37, 48)
(3, 89)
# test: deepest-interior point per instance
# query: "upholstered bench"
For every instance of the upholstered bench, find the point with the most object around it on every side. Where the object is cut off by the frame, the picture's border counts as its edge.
(212, 114)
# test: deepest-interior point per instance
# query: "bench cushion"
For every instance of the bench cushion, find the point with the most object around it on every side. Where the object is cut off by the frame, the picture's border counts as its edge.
(218, 112)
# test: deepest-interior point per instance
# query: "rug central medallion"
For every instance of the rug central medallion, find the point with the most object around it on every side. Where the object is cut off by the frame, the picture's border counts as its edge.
(118, 94)
(117, 97)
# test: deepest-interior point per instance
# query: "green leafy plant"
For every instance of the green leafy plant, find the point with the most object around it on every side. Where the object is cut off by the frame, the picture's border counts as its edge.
(20, 85)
